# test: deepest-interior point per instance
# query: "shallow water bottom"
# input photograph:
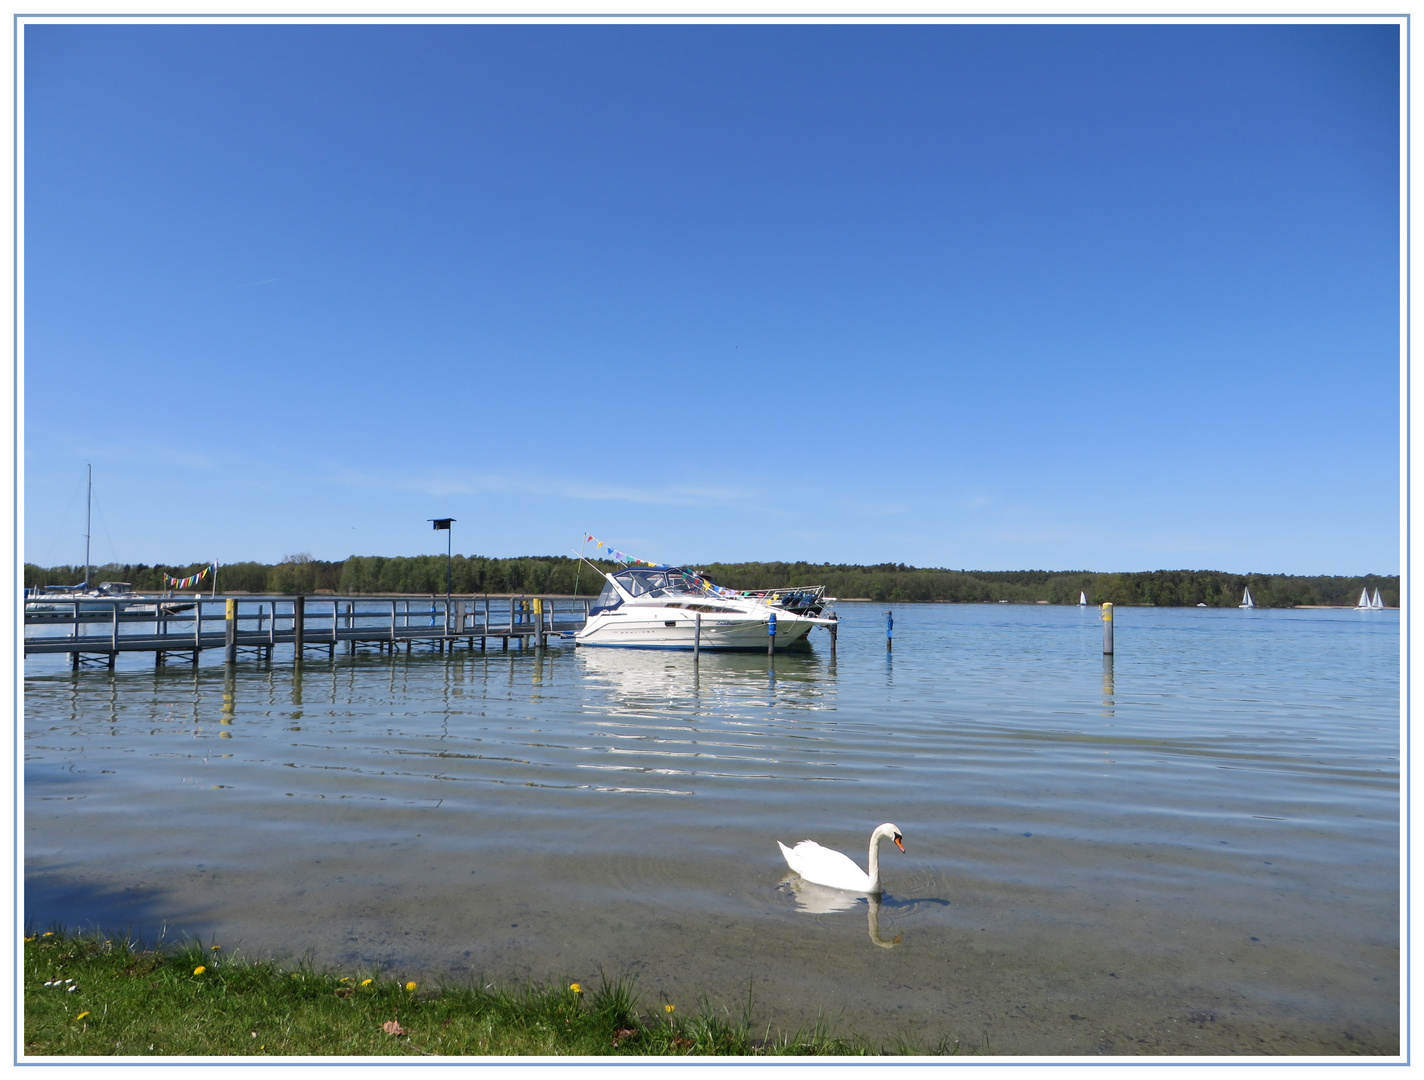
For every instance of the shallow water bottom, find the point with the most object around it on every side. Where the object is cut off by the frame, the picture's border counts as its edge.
(1084, 966)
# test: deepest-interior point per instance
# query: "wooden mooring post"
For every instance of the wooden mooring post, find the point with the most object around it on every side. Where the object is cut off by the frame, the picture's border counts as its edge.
(299, 625)
(230, 657)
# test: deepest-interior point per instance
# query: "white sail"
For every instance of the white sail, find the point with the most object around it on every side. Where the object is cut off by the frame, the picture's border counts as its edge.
(1246, 600)
(1364, 600)
(1377, 603)
(1082, 599)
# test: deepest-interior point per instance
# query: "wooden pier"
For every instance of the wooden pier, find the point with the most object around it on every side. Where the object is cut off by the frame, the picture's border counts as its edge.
(253, 627)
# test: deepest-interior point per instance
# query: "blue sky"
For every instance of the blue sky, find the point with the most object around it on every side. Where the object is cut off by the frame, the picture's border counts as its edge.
(994, 297)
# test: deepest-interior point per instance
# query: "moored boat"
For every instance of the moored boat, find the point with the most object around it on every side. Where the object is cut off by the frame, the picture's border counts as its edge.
(62, 601)
(70, 601)
(670, 607)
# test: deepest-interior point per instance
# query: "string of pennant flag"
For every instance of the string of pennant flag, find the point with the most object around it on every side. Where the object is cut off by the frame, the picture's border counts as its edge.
(616, 555)
(170, 582)
(628, 560)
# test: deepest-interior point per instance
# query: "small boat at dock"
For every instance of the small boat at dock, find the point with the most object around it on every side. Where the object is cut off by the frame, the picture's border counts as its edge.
(67, 601)
(61, 601)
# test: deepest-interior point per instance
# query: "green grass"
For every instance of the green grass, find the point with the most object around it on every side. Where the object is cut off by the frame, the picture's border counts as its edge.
(128, 1000)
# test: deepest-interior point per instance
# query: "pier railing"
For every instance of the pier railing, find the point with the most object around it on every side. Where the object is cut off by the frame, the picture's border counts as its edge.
(97, 630)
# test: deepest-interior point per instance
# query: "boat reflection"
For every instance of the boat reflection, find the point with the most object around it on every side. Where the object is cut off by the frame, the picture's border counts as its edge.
(646, 681)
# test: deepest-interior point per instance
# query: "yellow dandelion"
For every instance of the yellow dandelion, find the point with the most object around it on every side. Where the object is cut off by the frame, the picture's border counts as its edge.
(576, 988)
(365, 982)
(215, 948)
(82, 1015)
(29, 939)
(344, 978)
(410, 986)
(669, 1008)
(199, 970)
(48, 933)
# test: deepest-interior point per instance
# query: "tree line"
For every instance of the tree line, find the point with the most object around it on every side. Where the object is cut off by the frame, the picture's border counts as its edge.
(887, 582)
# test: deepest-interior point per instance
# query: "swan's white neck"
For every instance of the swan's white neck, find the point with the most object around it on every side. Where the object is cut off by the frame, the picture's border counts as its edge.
(882, 833)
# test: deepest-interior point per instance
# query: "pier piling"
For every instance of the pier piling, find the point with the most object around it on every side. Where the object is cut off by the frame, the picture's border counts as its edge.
(299, 619)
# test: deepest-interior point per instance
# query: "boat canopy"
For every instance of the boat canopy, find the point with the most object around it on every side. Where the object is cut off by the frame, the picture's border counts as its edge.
(654, 581)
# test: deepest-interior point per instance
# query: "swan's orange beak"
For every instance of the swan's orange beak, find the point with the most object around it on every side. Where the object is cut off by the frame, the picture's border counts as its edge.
(898, 844)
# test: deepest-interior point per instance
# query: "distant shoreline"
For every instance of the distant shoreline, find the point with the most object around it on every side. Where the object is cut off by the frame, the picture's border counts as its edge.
(836, 599)
(564, 576)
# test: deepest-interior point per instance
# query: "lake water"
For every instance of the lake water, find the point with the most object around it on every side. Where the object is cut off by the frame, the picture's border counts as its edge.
(1193, 848)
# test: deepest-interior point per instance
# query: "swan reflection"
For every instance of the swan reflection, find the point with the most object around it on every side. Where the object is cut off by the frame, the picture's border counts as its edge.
(823, 900)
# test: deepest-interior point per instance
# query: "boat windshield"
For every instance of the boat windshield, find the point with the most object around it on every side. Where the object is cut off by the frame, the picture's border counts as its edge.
(607, 600)
(663, 581)
(657, 583)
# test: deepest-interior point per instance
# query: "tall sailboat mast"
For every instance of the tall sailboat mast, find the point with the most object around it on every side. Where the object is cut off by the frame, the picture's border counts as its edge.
(88, 523)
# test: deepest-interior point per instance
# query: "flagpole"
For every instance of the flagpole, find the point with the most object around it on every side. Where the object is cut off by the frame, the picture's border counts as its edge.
(578, 566)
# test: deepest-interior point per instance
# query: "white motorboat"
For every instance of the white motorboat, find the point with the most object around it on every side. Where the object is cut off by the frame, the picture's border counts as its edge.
(62, 601)
(668, 607)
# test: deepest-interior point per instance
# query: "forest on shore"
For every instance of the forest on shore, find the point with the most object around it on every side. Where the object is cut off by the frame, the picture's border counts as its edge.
(558, 575)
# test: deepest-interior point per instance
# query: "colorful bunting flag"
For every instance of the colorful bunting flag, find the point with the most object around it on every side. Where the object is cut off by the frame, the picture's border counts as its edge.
(628, 560)
(170, 582)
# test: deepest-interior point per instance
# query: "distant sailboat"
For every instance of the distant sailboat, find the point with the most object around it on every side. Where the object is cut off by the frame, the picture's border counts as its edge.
(1246, 600)
(1082, 599)
(1377, 603)
(1364, 604)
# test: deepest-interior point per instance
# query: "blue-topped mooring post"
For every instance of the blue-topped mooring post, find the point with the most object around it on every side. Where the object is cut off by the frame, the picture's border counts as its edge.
(1107, 629)
(771, 634)
(889, 630)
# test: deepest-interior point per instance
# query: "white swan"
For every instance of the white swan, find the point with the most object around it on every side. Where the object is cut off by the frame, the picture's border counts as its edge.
(822, 866)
